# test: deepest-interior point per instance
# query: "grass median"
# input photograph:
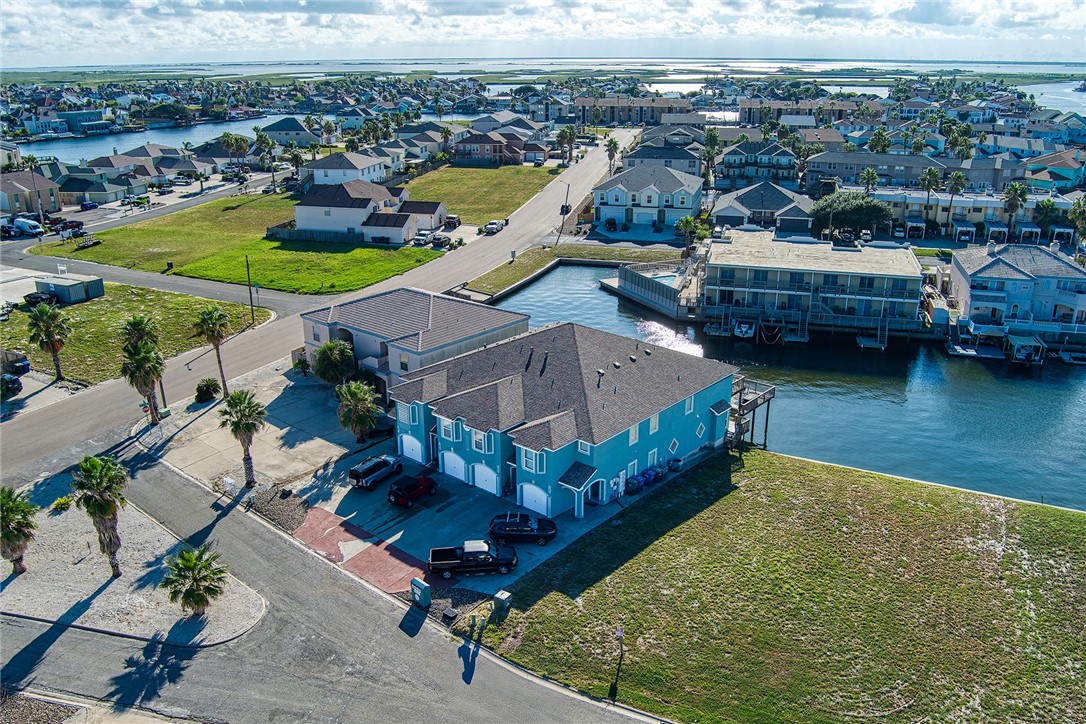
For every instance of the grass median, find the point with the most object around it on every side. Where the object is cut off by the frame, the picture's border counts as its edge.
(93, 353)
(765, 588)
(529, 262)
(479, 195)
(211, 241)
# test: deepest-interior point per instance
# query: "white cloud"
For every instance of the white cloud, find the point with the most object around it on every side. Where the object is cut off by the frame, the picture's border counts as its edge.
(102, 32)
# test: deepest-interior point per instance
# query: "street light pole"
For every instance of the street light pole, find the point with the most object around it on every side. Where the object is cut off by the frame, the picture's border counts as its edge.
(565, 205)
(249, 279)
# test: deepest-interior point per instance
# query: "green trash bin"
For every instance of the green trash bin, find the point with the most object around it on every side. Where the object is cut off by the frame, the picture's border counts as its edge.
(420, 592)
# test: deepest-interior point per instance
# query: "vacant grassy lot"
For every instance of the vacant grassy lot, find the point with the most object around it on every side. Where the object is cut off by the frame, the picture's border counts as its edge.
(534, 259)
(211, 241)
(481, 194)
(782, 590)
(93, 353)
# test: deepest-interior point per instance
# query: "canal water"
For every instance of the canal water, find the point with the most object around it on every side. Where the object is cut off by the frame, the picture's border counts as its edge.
(911, 411)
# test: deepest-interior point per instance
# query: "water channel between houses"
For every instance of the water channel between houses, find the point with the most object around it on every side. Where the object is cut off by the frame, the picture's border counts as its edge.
(911, 411)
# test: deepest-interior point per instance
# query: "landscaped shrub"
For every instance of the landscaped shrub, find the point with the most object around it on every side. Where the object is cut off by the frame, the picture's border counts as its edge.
(302, 365)
(62, 503)
(207, 389)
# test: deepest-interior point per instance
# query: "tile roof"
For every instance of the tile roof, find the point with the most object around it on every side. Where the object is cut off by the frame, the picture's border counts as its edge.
(355, 194)
(665, 180)
(416, 319)
(575, 383)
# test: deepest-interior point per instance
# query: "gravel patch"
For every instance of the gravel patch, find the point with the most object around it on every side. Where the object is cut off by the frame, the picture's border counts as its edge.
(281, 507)
(21, 709)
(69, 579)
(462, 599)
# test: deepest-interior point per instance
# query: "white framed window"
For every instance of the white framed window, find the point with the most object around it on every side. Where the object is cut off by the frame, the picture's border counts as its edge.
(689, 404)
(480, 441)
(634, 434)
(654, 423)
(533, 461)
(316, 333)
(701, 430)
(450, 430)
(673, 446)
(403, 361)
(583, 447)
(631, 469)
(413, 415)
(652, 457)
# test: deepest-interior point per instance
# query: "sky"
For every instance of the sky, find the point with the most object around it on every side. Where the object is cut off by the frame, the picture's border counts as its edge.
(47, 33)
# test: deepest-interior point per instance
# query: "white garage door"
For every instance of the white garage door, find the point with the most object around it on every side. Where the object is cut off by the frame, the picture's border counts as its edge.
(533, 498)
(485, 478)
(412, 448)
(641, 218)
(452, 465)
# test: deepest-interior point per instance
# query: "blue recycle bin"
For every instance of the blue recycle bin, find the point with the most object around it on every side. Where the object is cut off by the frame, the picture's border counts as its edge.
(420, 592)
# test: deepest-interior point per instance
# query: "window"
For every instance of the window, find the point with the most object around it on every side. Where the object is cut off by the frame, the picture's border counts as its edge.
(447, 429)
(413, 414)
(316, 333)
(583, 447)
(533, 461)
(673, 446)
(631, 469)
(689, 404)
(480, 441)
(682, 201)
(633, 198)
(326, 174)
(701, 430)
(633, 434)
(648, 201)
(652, 457)
(654, 423)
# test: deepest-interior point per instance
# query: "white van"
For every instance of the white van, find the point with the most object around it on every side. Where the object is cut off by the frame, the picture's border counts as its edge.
(27, 226)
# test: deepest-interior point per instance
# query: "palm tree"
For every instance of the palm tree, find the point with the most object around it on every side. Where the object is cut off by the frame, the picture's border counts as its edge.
(879, 141)
(1077, 215)
(351, 145)
(870, 179)
(139, 328)
(17, 526)
(597, 116)
(333, 361)
(50, 330)
(213, 327)
(329, 130)
(98, 486)
(1045, 214)
(309, 122)
(358, 408)
(439, 110)
(142, 368)
(612, 153)
(313, 148)
(297, 160)
(1014, 197)
(201, 177)
(446, 136)
(31, 162)
(226, 140)
(929, 181)
(688, 225)
(195, 578)
(244, 417)
(955, 184)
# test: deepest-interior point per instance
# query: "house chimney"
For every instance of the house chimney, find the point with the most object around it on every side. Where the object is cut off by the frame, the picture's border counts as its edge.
(1054, 247)
(991, 248)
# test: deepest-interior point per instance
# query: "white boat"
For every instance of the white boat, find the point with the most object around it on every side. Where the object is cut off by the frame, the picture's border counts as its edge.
(745, 330)
(716, 329)
(1073, 358)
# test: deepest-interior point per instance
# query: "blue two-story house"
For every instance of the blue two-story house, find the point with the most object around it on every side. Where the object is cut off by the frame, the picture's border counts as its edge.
(561, 416)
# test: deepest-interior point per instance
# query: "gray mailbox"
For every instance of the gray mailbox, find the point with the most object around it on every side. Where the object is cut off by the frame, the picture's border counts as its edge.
(420, 592)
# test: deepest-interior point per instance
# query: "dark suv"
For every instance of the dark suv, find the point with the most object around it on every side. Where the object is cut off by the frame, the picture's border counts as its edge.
(406, 490)
(373, 470)
(510, 527)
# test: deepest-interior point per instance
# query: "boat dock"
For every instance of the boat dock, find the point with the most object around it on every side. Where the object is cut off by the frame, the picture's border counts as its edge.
(975, 351)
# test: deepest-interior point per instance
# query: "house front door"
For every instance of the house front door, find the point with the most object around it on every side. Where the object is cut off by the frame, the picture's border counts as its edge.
(629, 215)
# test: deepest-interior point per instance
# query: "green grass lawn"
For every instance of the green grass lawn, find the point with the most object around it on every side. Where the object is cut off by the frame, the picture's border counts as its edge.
(771, 589)
(479, 195)
(211, 241)
(531, 261)
(925, 252)
(93, 353)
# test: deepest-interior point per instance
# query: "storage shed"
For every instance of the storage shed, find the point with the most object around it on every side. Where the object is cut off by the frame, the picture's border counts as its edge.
(68, 291)
(93, 287)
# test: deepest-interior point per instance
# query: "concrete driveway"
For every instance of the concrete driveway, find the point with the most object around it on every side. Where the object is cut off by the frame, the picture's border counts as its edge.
(38, 391)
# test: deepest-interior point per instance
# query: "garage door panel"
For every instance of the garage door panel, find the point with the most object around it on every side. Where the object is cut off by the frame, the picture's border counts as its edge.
(535, 499)
(452, 465)
(412, 448)
(484, 478)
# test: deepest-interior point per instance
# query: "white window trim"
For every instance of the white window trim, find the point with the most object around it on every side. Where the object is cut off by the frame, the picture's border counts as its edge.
(538, 462)
(413, 414)
(673, 446)
(701, 430)
(634, 434)
(652, 458)
(478, 436)
(654, 423)
(453, 429)
(584, 447)
(689, 404)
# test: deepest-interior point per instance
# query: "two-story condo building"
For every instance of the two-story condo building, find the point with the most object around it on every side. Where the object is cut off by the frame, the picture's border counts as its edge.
(403, 330)
(624, 109)
(751, 162)
(289, 128)
(562, 415)
(677, 157)
(766, 205)
(648, 195)
(1020, 289)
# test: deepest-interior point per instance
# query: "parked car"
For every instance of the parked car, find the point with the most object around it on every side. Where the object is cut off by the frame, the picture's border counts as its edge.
(268, 190)
(68, 225)
(899, 232)
(474, 556)
(35, 298)
(718, 232)
(538, 163)
(406, 490)
(522, 527)
(865, 235)
(10, 385)
(7, 231)
(27, 226)
(452, 221)
(77, 234)
(422, 238)
(373, 470)
(88, 206)
(493, 227)
(610, 225)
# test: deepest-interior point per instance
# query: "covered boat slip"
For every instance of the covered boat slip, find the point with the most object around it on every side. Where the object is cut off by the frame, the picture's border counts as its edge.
(1024, 350)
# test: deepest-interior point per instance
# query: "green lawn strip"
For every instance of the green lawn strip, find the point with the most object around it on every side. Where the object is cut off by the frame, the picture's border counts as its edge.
(479, 195)
(531, 261)
(947, 253)
(814, 593)
(308, 267)
(184, 236)
(93, 353)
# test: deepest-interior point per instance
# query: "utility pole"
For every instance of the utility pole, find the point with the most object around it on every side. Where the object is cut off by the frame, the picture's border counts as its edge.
(565, 210)
(249, 279)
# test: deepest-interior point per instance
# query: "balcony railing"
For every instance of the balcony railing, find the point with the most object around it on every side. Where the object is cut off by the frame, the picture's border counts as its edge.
(867, 292)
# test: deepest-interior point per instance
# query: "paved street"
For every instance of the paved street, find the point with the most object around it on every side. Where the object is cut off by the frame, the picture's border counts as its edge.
(58, 426)
(328, 649)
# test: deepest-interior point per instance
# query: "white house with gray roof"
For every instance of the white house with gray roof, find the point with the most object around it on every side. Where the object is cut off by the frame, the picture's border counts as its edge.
(399, 331)
(1020, 289)
(337, 168)
(648, 195)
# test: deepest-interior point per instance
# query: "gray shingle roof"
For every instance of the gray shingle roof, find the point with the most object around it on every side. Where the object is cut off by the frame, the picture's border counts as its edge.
(420, 207)
(416, 319)
(286, 123)
(665, 180)
(355, 194)
(765, 196)
(661, 152)
(562, 396)
(577, 475)
(342, 161)
(1017, 261)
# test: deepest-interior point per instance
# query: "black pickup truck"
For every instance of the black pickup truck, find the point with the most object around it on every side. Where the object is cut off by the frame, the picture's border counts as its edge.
(475, 556)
